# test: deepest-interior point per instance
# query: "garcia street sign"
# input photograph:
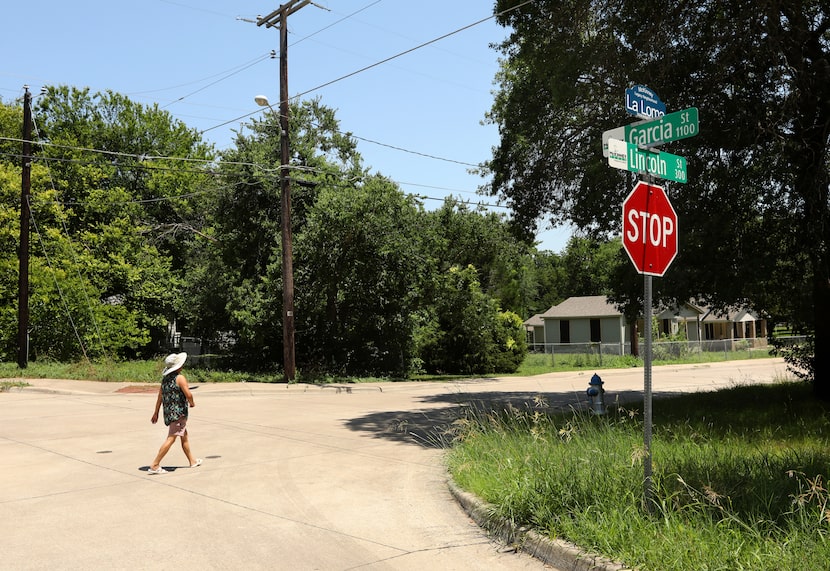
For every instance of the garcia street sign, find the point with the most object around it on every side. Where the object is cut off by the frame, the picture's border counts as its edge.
(671, 127)
(629, 157)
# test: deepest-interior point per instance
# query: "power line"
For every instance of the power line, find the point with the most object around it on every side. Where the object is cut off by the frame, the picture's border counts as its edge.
(271, 55)
(230, 72)
(396, 148)
(343, 19)
(366, 68)
(213, 173)
(396, 56)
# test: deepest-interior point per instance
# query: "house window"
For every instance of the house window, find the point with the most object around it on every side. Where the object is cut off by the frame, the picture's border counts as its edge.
(709, 330)
(596, 335)
(564, 331)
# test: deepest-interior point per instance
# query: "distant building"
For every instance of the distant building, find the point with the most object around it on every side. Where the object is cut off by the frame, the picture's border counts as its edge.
(588, 319)
(535, 329)
(595, 320)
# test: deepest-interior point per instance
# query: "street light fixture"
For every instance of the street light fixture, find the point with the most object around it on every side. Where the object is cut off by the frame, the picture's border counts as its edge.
(289, 364)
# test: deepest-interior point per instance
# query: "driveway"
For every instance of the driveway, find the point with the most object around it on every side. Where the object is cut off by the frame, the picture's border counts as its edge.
(294, 477)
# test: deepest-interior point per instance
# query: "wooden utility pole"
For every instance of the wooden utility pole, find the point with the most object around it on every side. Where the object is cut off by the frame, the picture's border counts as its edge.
(279, 18)
(23, 254)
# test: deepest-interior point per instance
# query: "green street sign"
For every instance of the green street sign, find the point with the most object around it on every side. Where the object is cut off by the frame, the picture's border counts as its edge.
(625, 156)
(670, 127)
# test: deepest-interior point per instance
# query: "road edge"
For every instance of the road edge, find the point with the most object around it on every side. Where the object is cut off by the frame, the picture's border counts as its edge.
(558, 553)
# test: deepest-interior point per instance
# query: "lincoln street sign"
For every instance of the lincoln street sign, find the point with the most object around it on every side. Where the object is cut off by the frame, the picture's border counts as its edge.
(625, 156)
(670, 127)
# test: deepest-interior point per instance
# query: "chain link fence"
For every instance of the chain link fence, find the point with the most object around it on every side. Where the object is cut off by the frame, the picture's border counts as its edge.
(727, 349)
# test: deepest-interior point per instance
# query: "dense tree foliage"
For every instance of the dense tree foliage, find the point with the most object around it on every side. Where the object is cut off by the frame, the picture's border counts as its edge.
(588, 265)
(105, 204)
(462, 237)
(464, 331)
(366, 256)
(137, 226)
(753, 217)
(362, 266)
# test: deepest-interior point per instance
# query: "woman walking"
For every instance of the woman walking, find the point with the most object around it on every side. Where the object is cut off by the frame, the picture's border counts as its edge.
(175, 396)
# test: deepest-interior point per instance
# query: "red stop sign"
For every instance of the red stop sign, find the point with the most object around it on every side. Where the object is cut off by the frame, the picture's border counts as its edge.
(649, 229)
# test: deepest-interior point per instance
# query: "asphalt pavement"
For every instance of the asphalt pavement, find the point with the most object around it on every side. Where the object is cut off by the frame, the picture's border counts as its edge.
(296, 476)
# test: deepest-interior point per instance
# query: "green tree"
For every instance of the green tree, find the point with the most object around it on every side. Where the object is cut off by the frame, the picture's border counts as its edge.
(365, 256)
(753, 218)
(550, 279)
(236, 283)
(588, 265)
(504, 264)
(464, 331)
(106, 202)
(361, 265)
(67, 315)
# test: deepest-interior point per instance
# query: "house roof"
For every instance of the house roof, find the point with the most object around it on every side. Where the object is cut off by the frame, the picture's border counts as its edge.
(730, 315)
(585, 306)
(599, 306)
(535, 321)
(685, 310)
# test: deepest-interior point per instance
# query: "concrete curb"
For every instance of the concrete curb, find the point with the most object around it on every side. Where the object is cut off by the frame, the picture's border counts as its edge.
(560, 554)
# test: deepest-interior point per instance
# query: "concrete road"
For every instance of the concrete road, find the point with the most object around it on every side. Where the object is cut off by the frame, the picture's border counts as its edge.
(294, 477)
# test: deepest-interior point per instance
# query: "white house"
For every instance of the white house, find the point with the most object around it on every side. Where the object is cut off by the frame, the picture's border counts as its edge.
(594, 320)
(686, 319)
(587, 319)
(700, 323)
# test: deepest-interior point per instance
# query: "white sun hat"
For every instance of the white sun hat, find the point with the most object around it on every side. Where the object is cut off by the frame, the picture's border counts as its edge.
(173, 362)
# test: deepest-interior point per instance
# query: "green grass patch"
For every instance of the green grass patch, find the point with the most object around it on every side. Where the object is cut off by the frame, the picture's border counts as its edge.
(739, 478)
(203, 372)
(127, 371)
(541, 363)
(150, 372)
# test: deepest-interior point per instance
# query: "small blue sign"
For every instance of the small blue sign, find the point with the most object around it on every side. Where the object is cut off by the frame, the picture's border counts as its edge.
(643, 102)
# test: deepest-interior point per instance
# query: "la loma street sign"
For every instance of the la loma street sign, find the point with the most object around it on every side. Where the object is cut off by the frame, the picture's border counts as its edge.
(643, 102)
(625, 156)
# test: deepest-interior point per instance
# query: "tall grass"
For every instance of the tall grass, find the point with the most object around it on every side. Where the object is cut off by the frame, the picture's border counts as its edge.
(739, 478)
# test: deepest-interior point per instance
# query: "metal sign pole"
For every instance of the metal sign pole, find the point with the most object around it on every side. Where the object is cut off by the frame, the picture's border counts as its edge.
(620, 145)
(647, 313)
(647, 503)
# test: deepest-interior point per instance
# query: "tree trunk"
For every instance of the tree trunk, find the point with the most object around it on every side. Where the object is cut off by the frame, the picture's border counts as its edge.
(635, 338)
(821, 355)
(807, 57)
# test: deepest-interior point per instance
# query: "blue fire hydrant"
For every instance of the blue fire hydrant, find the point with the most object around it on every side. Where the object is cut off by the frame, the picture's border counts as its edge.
(596, 394)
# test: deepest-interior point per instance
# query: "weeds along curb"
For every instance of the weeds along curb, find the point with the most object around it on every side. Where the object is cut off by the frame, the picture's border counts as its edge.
(560, 554)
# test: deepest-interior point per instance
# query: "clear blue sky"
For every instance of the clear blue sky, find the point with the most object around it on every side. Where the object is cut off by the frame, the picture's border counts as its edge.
(204, 63)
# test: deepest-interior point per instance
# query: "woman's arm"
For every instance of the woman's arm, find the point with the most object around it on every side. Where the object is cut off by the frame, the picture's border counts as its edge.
(158, 406)
(181, 381)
